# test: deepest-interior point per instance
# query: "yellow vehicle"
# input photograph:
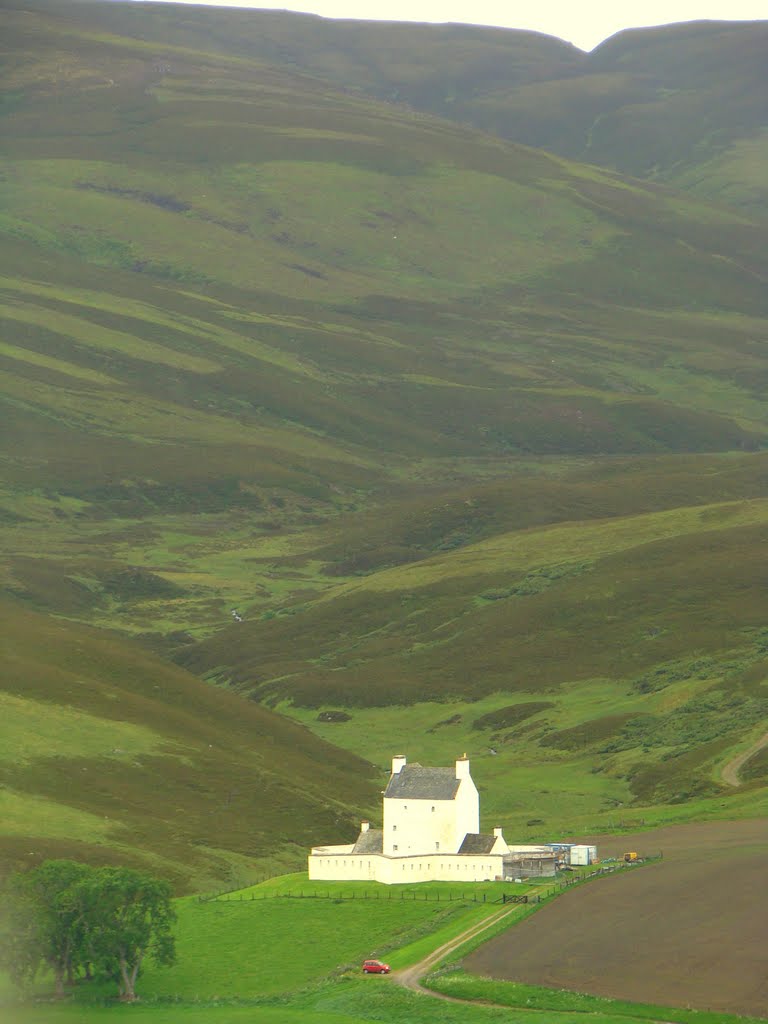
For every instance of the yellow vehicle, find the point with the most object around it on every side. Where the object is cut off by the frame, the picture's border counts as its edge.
(630, 858)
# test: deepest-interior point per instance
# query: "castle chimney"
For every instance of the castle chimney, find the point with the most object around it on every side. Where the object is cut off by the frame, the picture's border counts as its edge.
(398, 763)
(497, 832)
(462, 767)
(364, 826)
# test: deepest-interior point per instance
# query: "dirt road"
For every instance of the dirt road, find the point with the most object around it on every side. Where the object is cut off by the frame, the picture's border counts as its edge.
(730, 773)
(410, 977)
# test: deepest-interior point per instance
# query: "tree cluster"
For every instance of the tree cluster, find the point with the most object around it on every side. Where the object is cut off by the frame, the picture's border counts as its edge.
(83, 922)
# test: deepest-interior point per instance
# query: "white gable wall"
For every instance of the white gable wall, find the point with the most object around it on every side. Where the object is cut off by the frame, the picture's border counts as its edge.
(467, 810)
(419, 826)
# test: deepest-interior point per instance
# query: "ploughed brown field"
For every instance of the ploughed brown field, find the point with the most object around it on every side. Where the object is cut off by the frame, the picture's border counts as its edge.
(691, 930)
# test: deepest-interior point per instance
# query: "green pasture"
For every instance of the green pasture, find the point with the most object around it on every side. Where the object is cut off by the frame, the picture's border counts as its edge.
(350, 1004)
(455, 982)
(249, 949)
(282, 960)
(265, 947)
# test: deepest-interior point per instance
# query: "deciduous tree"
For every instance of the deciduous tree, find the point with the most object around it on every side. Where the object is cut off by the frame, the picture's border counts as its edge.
(69, 917)
(128, 917)
(45, 923)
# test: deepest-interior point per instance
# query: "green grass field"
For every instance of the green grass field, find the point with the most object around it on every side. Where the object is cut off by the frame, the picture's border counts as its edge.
(281, 960)
(531, 997)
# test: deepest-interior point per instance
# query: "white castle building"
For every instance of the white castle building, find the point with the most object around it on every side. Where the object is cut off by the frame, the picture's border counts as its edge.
(431, 832)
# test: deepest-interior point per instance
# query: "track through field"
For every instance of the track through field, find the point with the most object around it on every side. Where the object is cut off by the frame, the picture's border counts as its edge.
(410, 977)
(730, 773)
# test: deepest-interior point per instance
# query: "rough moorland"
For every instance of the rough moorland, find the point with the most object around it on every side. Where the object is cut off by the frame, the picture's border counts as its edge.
(439, 416)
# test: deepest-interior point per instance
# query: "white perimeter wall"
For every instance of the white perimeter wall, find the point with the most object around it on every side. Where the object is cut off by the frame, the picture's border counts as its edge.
(390, 870)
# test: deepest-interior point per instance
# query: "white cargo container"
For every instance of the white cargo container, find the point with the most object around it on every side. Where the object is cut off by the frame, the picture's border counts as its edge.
(581, 856)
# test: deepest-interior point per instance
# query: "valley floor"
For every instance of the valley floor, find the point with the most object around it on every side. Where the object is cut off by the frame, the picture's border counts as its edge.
(684, 931)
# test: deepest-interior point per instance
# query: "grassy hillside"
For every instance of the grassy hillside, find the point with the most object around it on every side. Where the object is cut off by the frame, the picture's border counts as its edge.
(111, 755)
(596, 668)
(444, 418)
(682, 104)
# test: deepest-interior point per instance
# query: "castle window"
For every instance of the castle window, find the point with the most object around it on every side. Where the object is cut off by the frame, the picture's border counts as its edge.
(433, 808)
(394, 828)
(394, 847)
(437, 846)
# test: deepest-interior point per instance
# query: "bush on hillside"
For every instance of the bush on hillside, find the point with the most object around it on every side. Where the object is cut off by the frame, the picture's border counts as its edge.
(513, 714)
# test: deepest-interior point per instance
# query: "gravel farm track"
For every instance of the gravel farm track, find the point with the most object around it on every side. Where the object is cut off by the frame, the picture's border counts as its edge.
(690, 930)
(730, 773)
(410, 977)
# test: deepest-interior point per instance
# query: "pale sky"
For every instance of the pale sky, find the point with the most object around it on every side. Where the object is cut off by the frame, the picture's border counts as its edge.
(583, 22)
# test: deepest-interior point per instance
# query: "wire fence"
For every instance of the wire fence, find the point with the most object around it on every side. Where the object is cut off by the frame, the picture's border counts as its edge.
(558, 884)
(426, 896)
(604, 869)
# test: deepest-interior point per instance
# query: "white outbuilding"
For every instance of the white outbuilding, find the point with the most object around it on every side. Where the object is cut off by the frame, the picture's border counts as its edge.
(431, 831)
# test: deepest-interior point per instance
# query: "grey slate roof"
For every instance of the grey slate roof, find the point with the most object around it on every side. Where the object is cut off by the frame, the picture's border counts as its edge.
(475, 844)
(371, 841)
(416, 783)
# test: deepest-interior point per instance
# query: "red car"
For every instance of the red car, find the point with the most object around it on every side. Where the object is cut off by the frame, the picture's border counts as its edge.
(375, 967)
